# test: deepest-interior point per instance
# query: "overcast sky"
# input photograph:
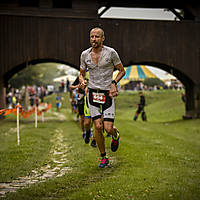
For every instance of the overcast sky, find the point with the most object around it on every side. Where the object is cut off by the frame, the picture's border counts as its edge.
(138, 13)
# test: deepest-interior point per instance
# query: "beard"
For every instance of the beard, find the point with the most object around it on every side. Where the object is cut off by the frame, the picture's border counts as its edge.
(95, 44)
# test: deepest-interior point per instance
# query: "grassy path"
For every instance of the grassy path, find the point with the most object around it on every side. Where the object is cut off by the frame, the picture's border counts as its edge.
(156, 160)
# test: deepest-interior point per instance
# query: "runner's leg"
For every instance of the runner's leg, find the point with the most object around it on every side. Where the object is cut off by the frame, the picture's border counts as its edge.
(81, 113)
(82, 123)
(87, 124)
(99, 135)
(96, 113)
(109, 117)
(110, 129)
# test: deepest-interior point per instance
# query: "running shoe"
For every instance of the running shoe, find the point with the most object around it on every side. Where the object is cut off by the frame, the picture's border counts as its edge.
(104, 161)
(87, 140)
(87, 137)
(84, 134)
(108, 135)
(93, 143)
(115, 142)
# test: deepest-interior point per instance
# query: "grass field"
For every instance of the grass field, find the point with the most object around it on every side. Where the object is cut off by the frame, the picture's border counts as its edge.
(157, 160)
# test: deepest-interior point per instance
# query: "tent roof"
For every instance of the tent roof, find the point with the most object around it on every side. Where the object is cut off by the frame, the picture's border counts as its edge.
(135, 73)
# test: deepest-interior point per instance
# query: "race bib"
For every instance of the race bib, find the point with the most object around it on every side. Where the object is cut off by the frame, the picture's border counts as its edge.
(98, 97)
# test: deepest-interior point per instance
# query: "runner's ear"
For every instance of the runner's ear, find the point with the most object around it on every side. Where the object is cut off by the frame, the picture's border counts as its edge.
(103, 38)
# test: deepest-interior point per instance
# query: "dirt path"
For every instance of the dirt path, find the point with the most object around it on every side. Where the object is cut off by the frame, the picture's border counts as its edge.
(56, 167)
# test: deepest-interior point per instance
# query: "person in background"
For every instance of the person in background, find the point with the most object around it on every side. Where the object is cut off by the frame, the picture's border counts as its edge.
(14, 101)
(9, 99)
(183, 97)
(58, 102)
(37, 100)
(88, 123)
(62, 86)
(140, 109)
(80, 102)
(67, 85)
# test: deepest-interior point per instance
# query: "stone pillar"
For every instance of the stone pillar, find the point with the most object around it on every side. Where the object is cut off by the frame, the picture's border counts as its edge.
(192, 101)
(2, 94)
(197, 100)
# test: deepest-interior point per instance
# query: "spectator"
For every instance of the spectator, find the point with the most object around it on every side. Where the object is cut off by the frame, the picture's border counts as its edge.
(183, 97)
(140, 109)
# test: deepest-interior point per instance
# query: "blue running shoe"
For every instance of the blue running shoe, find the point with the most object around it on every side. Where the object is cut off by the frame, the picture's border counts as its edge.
(104, 161)
(108, 135)
(115, 142)
(93, 143)
(87, 139)
(84, 134)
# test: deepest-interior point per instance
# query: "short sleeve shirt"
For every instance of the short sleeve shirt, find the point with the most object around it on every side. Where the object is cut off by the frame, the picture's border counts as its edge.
(100, 74)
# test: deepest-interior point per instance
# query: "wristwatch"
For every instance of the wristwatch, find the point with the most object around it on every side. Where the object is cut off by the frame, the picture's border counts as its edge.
(113, 81)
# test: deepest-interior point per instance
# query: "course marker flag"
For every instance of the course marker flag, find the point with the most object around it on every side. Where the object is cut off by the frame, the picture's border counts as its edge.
(25, 114)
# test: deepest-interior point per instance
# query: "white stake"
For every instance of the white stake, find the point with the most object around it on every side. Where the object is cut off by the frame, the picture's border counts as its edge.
(18, 139)
(35, 116)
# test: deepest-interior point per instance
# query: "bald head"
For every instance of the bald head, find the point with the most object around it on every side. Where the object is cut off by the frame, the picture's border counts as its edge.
(98, 29)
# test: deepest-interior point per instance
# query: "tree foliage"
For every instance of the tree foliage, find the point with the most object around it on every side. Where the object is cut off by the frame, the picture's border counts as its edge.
(153, 81)
(40, 74)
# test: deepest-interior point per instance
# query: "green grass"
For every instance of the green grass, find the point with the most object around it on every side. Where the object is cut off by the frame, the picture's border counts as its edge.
(158, 159)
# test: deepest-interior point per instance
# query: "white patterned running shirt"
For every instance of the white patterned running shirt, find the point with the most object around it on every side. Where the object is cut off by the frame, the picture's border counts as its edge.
(100, 74)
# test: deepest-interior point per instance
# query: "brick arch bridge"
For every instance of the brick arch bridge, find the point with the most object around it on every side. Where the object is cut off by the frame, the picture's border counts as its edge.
(169, 45)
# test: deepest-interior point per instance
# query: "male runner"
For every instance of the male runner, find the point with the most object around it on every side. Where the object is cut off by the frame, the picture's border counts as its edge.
(81, 93)
(101, 61)
(84, 112)
(88, 122)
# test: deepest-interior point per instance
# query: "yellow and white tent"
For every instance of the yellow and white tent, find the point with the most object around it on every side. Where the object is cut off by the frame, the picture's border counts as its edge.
(135, 73)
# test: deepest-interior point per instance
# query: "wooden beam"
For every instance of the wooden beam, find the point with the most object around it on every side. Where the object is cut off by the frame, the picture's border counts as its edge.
(52, 13)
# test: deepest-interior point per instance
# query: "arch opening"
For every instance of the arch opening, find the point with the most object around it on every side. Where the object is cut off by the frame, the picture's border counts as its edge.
(185, 80)
(22, 66)
(191, 90)
(36, 79)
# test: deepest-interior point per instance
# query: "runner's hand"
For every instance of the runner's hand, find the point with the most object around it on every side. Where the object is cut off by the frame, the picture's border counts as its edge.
(83, 84)
(113, 91)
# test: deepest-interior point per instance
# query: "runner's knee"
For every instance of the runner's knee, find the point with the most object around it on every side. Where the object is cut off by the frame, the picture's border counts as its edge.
(109, 129)
(98, 126)
(87, 122)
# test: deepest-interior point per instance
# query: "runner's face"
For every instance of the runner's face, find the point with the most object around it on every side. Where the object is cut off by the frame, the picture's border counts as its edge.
(96, 38)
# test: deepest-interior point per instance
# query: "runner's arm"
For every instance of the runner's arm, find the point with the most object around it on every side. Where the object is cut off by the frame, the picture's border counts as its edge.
(82, 80)
(121, 72)
(113, 88)
(72, 87)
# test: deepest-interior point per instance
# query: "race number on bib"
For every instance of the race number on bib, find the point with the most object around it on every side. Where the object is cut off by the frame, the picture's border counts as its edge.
(98, 97)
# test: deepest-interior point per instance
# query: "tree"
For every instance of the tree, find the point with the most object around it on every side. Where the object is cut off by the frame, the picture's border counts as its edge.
(153, 81)
(40, 74)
